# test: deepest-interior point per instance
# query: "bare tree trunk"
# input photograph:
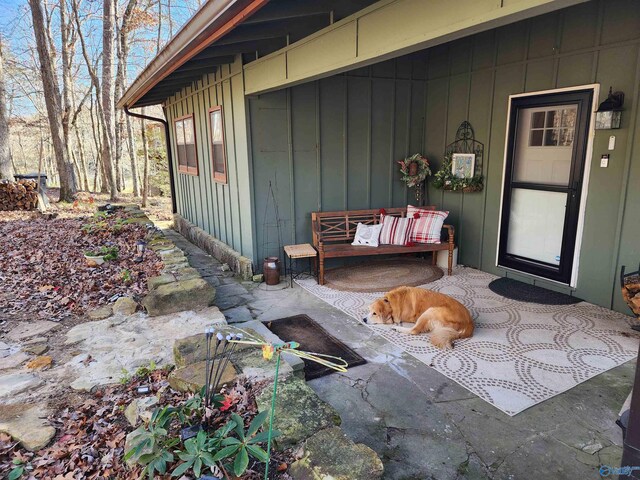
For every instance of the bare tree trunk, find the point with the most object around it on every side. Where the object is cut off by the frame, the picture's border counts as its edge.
(52, 96)
(73, 124)
(6, 165)
(107, 94)
(67, 85)
(159, 37)
(121, 76)
(24, 155)
(106, 146)
(145, 169)
(119, 133)
(133, 158)
(95, 130)
(119, 120)
(76, 165)
(83, 162)
(104, 182)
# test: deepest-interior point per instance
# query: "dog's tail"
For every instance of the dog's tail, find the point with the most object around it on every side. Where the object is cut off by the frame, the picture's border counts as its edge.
(443, 337)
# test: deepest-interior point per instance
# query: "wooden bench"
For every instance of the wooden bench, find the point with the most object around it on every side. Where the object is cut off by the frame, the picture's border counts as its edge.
(333, 233)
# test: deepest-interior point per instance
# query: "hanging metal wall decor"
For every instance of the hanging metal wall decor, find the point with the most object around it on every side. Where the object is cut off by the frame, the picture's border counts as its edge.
(461, 168)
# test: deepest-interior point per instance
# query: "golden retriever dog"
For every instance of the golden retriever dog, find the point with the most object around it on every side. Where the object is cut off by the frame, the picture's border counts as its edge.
(446, 318)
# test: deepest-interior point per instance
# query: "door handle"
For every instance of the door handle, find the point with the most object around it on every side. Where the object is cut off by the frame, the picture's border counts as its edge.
(574, 188)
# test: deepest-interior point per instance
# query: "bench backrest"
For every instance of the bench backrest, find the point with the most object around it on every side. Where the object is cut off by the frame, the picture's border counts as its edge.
(341, 226)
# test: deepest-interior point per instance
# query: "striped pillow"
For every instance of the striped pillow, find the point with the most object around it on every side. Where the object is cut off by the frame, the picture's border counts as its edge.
(428, 224)
(395, 230)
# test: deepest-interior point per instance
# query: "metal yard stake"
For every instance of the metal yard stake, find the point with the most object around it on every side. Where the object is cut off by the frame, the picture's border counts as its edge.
(271, 349)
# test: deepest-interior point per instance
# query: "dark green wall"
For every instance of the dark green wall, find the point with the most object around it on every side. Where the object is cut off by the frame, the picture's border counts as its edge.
(332, 143)
(328, 145)
(222, 210)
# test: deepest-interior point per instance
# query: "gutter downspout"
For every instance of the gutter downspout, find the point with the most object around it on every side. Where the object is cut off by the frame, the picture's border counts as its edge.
(174, 208)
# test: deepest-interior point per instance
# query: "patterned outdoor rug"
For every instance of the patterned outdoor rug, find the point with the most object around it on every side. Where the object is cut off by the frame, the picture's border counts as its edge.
(384, 275)
(521, 353)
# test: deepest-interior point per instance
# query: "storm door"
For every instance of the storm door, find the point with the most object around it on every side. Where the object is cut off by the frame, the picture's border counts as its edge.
(542, 183)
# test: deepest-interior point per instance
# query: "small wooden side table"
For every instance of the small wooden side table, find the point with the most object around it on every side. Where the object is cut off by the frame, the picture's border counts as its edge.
(303, 250)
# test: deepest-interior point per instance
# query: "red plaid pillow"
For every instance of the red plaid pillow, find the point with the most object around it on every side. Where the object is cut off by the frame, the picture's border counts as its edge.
(428, 224)
(395, 230)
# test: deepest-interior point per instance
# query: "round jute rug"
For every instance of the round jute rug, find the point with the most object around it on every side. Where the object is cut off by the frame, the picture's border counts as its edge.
(382, 275)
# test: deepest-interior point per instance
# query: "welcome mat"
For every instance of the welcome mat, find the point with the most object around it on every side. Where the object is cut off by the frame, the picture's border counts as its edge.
(516, 290)
(384, 275)
(521, 353)
(313, 338)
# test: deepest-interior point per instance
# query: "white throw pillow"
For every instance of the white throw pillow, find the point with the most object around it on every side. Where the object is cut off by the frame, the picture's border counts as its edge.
(367, 235)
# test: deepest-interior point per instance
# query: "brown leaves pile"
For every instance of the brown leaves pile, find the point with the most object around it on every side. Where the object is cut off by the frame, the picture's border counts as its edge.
(90, 440)
(43, 273)
(91, 436)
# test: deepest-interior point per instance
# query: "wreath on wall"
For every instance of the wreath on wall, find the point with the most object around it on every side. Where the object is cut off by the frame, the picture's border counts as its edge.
(444, 178)
(415, 169)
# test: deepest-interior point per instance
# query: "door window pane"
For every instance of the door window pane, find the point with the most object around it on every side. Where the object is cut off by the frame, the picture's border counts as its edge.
(546, 157)
(551, 138)
(553, 118)
(537, 120)
(569, 117)
(536, 224)
(536, 138)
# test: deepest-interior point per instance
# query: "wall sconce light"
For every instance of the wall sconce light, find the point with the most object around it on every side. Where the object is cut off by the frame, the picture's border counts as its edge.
(609, 113)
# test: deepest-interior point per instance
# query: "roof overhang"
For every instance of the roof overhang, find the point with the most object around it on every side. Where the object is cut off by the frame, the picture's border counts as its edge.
(385, 30)
(215, 19)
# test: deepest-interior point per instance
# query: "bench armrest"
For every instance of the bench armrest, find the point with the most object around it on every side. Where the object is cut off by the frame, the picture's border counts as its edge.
(315, 229)
(450, 232)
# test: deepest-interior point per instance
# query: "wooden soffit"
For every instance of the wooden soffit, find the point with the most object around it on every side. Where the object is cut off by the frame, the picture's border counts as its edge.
(384, 30)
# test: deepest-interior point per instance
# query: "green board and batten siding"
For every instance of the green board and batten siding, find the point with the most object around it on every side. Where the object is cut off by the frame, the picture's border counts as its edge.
(222, 210)
(331, 144)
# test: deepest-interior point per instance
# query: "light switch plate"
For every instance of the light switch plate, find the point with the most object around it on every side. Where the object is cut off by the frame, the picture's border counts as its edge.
(612, 142)
(604, 161)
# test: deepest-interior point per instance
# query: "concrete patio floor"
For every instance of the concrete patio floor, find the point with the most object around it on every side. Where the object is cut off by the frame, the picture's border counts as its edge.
(422, 424)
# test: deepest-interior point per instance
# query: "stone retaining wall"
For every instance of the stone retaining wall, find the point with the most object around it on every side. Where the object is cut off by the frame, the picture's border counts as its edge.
(210, 244)
(179, 287)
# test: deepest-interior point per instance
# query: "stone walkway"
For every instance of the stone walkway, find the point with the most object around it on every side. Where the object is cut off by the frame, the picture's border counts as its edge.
(425, 426)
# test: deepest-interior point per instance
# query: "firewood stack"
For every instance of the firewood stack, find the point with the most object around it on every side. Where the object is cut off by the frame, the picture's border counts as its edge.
(20, 195)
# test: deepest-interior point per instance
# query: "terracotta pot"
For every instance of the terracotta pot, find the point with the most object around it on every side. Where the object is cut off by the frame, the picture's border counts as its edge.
(413, 168)
(271, 270)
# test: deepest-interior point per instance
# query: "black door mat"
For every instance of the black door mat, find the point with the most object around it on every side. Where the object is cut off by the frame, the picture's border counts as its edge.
(313, 338)
(523, 292)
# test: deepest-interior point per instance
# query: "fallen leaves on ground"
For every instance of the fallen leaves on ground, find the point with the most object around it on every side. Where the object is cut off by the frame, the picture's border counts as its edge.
(43, 273)
(91, 435)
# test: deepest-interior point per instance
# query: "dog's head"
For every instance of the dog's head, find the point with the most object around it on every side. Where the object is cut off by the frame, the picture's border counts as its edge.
(380, 311)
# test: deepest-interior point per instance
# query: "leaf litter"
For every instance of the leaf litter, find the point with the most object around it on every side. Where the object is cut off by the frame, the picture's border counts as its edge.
(43, 273)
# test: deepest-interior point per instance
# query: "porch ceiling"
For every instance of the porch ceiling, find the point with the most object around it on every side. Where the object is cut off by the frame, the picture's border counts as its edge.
(384, 30)
(215, 36)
